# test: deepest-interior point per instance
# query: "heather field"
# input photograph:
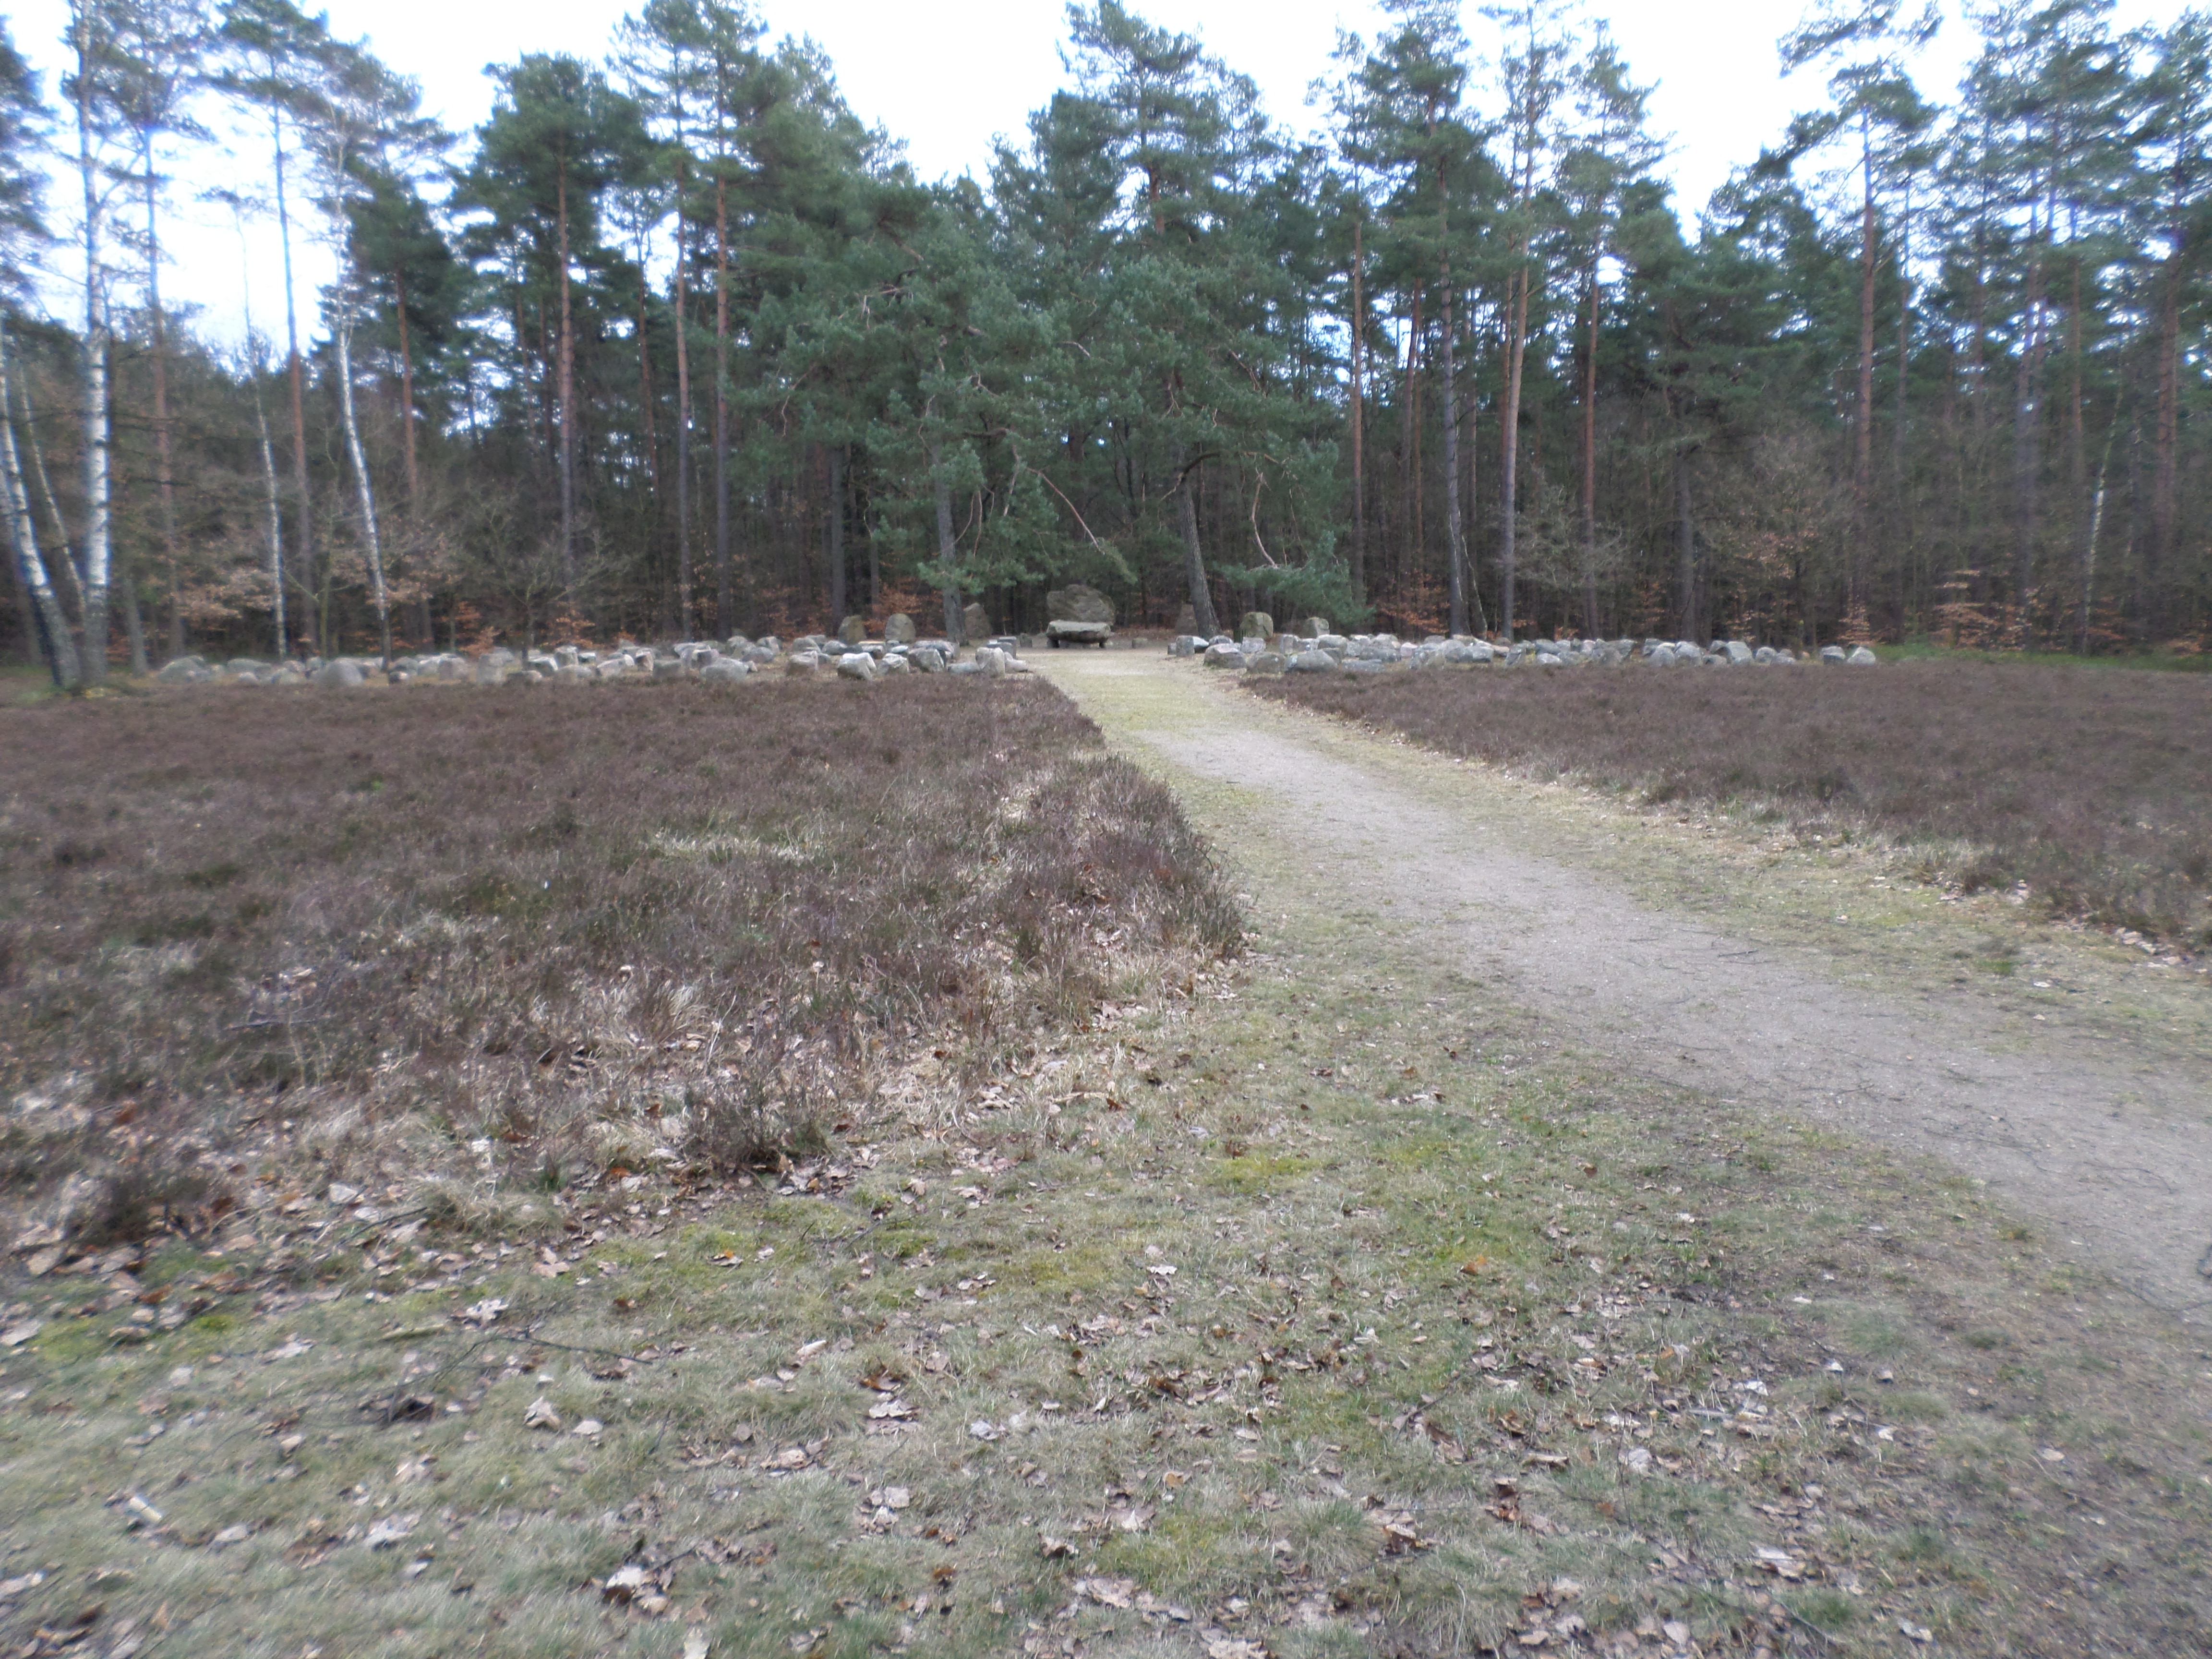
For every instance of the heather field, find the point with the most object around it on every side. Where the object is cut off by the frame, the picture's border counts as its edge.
(2092, 787)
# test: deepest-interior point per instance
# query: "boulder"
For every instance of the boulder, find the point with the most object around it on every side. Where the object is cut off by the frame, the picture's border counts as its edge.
(1266, 662)
(670, 668)
(1464, 653)
(856, 666)
(803, 662)
(852, 630)
(1363, 665)
(1861, 658)
(1223, 656)
(990, 661)
(1255, 624)
(1058, 632)
(184, 670)
(244, 664)
(975, 622)
(340, 673)
(1766, 654)
(1312, 662)
(893, 662)
(1737, 652)
(1185, 645)
(1314, 626)
(929, 659)
(898, 628)
(1078, 602)
(1832, 654)
(723, 670)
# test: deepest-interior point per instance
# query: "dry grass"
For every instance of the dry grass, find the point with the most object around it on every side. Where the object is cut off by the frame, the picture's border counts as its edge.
(2093, 787)
(536, 932)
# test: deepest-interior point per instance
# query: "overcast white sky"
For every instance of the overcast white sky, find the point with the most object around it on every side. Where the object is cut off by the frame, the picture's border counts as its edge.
(946, 79)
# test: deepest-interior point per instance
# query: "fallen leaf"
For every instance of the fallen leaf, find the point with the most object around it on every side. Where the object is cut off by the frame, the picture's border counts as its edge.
(796, 1458)
(695, 1645)
(483, 1312)
(1915, 1632)
(291, 1350)
(590, 1429)
(237, 1534)
(389, 1531)
(627, 1583)
(982, 1430)
(17, 1336)
(541, 1415)
(891, 1498)
(1106, 1592)
(888, 1410)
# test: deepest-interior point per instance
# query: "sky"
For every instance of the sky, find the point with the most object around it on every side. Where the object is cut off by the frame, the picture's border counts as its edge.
(948, 79)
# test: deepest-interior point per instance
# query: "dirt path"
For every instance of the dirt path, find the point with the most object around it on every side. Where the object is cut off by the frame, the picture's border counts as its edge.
(2113, 1154)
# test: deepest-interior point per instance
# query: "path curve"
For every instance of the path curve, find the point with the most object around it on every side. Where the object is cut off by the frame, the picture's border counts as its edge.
(2117, 1159)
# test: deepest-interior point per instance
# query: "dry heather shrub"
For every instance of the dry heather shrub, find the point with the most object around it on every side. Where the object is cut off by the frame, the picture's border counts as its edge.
(433, 919)
(2093, 785)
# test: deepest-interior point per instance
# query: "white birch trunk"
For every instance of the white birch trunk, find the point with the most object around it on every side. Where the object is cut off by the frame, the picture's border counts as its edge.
(361, 477)
(15, 504)
(97, 434)
(275, 529)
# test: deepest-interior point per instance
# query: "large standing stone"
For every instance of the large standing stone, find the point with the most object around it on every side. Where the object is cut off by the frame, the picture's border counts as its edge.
(898, 628)
(1256, 624)
(1078, 602)
(340, 672)
(1738, 653)
(1862, 658)
(853, 630)
(1314, 626)
(975, 622)
(990, 661)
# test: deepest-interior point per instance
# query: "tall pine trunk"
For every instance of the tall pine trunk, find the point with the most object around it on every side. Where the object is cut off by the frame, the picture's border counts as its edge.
(567, 395)
(166, 484)
(1358, 414)
(833, 528)
(724, 605)
(1193, 561)
(1863, 463)
(1517, 341)
(2167, 425)
(683, 431)
(954, 628)
(407, 391)
(303, 550)
(1589, 464)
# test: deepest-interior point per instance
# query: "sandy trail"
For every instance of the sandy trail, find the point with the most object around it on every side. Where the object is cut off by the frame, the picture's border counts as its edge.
(2116, 1157)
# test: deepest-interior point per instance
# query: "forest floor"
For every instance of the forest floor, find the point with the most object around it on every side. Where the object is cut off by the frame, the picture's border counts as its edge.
(1381, 1288)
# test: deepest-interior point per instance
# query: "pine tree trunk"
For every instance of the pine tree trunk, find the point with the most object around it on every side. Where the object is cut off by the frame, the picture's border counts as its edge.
(567, 395)
(165, 485)
(1517, 331)
(683, 435)
(407, 392)
(2167, 428)
(96, 430)
(1686, 550)
(2028, 447)
(303, 552)
(1455, 531)
(1589, 465)
(955, 630)
(833, 528)
(1358, 416)
(1863, 465)
(1194, 562)
(725, 610)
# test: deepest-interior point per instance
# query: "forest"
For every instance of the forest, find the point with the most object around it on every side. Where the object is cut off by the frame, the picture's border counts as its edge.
(674, 345)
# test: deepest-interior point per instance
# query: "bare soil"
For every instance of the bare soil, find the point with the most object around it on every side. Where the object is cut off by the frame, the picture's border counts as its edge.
(2111, 1147)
